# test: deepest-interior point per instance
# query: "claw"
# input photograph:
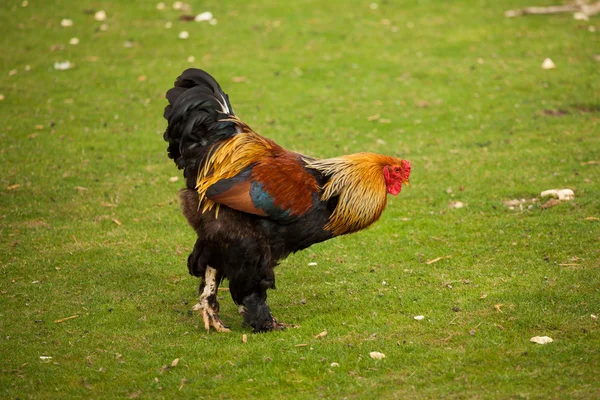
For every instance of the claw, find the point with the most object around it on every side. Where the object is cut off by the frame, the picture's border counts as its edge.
(280, 326)
(211, 318)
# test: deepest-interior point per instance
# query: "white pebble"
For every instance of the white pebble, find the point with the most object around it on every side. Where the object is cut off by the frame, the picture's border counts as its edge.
(334, 364)
(184, 35)
(548, 64)
(63, 66)
(205, 16)
(375, 355)
(74, 41)
(100, 15)
(312, 264)
(541, 339)
(419, 317)
(191, 59)
(65, 23)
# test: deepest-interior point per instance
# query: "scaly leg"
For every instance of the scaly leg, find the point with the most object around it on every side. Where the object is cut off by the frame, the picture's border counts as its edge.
(208, 305)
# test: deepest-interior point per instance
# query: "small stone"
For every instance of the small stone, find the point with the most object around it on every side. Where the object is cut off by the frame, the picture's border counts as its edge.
(312, 264)
(548, 64)
(74, 41)
(184, 35)
(541, 339)
(65, 23)
(100, 15)
(419, 317)
(191, 59)
(63, 66)
(375, 355)
(205, 16)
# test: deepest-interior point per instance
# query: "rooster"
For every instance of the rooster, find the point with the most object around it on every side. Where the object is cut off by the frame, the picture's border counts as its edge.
(252, 202)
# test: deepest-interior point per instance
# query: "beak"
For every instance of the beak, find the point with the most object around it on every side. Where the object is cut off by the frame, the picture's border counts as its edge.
(406, 182)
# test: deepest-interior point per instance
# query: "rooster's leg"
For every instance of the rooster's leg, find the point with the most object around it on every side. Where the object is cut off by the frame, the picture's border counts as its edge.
(257, 314)
(208, 304)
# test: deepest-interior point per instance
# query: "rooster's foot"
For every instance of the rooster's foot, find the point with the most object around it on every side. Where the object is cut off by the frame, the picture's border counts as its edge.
(280, 326)
(211, 318)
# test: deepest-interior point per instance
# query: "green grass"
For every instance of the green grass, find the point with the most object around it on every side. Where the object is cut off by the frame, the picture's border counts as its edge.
(315, 71)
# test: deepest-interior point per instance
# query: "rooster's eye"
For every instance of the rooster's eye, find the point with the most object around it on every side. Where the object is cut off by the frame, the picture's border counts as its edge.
(396, 169)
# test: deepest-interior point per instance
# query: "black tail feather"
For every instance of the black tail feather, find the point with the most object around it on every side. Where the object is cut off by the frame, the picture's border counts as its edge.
(196, 107)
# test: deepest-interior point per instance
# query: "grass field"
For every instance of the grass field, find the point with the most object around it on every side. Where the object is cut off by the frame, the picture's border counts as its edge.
(90, 225)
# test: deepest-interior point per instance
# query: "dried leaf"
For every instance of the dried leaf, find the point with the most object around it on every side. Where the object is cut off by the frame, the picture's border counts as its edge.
(13, 187)
(419, 317)
(173, 179)
(183, 382)
(436, 260)
(321, 335)
(244, 338)
(238, 79)
(498, 307)
(116, 221)
(373, 117)
(592, 219)
(58, 321)
(550, 203)
(301, 345)
(175, 362)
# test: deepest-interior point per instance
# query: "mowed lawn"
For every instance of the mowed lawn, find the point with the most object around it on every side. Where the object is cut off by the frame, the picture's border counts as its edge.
(95, 297)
